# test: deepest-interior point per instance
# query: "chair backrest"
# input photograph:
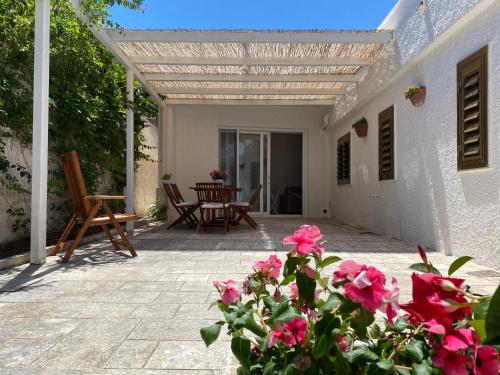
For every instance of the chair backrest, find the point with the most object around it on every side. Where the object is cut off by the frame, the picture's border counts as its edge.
(177, 193)
(210, 194)
(212, 185)
(76, 184)
(255, 195)
(171, 194)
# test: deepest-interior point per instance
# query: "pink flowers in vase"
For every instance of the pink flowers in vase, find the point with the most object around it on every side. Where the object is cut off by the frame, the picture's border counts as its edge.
(218, 174)
(309, 323)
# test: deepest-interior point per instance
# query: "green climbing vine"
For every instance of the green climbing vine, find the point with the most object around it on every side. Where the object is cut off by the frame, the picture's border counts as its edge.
(87, 98)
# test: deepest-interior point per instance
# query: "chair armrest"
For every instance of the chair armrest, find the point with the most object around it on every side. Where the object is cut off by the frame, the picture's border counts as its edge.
(105, 197)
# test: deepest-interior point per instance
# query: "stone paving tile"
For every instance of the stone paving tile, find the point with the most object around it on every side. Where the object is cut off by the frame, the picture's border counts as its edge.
(131, 354)
(155, 311)
(185, 297)
(22, 352)
(171, 330)
(89, 345)
(152, 286)
(190, 355)
(26, 328)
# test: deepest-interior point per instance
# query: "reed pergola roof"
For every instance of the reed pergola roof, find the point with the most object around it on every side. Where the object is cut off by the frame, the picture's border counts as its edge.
(248, 67)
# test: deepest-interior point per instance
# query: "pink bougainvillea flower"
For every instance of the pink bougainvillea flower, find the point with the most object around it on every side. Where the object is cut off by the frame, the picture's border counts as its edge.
(363, 284)
(342, 343)
(487, 362)
(297, 327)
(348, 269)
(229, 294)
(391, 302)
(305, 240)
(279, 335)
(270, 267)
(460, 339)
(432, 326)
(435, 298)
(450, 362)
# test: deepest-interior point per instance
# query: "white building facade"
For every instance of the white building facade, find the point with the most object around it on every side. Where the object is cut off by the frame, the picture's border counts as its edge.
(430, 199)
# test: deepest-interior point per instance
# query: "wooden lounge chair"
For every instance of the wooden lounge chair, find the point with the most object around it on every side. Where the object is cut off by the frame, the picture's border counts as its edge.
(185, 209)
(87, 210)
(242, 208)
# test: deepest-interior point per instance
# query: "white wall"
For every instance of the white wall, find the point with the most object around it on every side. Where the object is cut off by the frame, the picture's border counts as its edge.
(429, 202)
(192, 132)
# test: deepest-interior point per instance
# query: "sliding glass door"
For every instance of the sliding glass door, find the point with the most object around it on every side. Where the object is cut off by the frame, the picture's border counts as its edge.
(245, 154)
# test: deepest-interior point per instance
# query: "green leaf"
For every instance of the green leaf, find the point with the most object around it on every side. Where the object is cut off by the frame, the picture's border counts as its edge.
(290, 266)
(414, 351)
(422, 368)
(480, 327)
(210, 334)
(283, 313)
(269, 368)
(321, 346)
(332, 302)
(289, 370)
(330, 260)
(270, 303)
(481, 310)
(401, 324)
(422, 267)
(360, 355)
(326, 325)
(306, 287)
(287, 280)
(383, 367)
(458, 263)
(493, 316)
(243, 370)
(375, 331)
(362, 321)
(240, 347)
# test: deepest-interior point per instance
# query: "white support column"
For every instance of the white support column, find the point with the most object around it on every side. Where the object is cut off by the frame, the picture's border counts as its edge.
(130, 149)
(40, 132)
(161, 114)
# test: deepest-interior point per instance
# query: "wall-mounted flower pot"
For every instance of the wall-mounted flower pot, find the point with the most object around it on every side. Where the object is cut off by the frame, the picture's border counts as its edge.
(418, 97)
(361, 130)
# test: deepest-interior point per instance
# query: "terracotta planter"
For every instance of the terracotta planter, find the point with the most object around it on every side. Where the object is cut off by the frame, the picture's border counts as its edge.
(418, 97)
(361, 130)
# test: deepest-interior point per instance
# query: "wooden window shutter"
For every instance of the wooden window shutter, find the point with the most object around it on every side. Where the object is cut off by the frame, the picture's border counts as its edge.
(344, 159)
(472, 131)
(386, 144)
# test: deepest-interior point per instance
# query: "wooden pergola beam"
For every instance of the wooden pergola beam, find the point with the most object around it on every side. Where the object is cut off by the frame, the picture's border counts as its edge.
(252, 77)
(243, 36)
(270, 102)
(247, 91)
(249, 61)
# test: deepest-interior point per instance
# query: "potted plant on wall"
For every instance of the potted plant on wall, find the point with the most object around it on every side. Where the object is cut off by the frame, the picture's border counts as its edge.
(219, 176)
(166, 177)
(416, 94)
(361, 127)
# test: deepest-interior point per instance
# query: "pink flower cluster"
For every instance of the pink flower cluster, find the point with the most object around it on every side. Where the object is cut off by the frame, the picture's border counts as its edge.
(294, 332)
(366, 286)
(460, 354)
(218, 174)
(229, 294)
(270, 267)
(306, 240)
(437, 298)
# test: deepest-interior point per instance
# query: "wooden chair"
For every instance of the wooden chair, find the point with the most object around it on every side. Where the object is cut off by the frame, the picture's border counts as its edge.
(185, 209)
(87, 208)
(242, 208)
(212, 199)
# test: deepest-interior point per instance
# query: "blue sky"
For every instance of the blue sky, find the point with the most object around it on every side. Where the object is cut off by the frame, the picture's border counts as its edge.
(255, 14)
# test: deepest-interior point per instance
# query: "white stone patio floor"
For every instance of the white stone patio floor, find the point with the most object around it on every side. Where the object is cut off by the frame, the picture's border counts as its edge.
(108, 313)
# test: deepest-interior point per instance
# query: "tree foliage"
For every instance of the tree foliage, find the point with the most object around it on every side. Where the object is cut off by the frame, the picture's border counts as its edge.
(87, 90)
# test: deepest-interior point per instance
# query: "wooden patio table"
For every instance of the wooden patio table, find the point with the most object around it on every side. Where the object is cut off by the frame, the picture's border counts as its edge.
(228, 194)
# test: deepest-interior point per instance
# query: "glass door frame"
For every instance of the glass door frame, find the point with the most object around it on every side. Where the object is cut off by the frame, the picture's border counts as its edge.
(269, 131)
(263, 179)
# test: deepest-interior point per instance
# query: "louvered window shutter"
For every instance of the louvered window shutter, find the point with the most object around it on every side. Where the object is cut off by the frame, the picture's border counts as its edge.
(344, 160)
(386, 144)
(472, 131)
